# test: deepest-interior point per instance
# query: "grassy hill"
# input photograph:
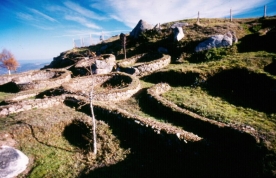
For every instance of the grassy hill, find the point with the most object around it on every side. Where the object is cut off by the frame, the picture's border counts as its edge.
(235, 86)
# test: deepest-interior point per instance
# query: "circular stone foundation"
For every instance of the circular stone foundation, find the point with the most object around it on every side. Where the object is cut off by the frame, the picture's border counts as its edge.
(144, 64)
(106, 87)
(40, 79)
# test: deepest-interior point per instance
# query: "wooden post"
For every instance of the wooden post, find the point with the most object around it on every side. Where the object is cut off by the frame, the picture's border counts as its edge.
(74, 44)
(264, 11)
(197, 18)
(123, 43)
(231, 15)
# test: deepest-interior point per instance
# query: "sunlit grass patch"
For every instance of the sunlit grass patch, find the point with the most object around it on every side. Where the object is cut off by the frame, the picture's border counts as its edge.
(4, 95)
(216, 108)
(58, 142)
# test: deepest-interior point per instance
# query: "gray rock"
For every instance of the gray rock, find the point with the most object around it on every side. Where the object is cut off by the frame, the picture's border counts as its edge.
(12, 162)
(217, 41)
(104, 64)
(178, 33)
(140, 27)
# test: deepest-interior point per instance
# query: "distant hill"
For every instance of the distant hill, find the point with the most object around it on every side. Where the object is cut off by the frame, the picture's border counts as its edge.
(26, 65)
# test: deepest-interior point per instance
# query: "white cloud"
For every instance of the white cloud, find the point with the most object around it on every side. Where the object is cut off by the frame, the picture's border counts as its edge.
(25, 16)
(43, 27)
(83, 11)
(43, 15)
(156, 11)
(82, 21)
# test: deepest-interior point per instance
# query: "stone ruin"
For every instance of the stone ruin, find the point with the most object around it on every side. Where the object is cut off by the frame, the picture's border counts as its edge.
(106, 87)
(142, 69)
(102, 64)
(39, 79)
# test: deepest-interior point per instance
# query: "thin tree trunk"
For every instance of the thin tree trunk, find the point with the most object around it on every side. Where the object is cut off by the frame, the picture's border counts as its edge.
(94, 124)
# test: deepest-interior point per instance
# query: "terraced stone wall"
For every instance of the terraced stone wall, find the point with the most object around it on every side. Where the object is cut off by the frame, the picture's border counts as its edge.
(193, 122)
(39, 79)
(30, 104)
(83, 85)
(150, 67)
(145, 68)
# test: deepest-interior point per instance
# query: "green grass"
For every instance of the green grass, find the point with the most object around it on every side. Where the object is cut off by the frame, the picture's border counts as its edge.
(199, 101)
(4, 95)
(58, 141)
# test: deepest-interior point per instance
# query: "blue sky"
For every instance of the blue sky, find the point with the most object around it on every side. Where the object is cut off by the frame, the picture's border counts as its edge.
(43, 29)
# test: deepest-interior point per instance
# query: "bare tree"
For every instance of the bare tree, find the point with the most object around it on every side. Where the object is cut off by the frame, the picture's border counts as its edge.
(94, 124)
(123, 42)
(8, 61)
(93, 118)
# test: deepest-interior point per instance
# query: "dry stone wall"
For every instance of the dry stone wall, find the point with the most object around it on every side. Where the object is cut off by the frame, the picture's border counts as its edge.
(39, 79)
(145, 68)
(149, 67)
(130, 61)
(45, 79)
(83, 85)
(191, 119)
(30, 104)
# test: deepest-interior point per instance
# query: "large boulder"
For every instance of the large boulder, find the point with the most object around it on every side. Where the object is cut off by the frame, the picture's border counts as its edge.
(217, 41)
(12, 162)
(178, 33)
(104, 64)
(140, 27)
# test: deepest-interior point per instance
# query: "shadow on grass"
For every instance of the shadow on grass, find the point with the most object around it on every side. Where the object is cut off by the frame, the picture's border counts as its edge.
(173, 78)
(9, 87)
(255, 42)
(244, 88)
(78, 134)
(162, 155)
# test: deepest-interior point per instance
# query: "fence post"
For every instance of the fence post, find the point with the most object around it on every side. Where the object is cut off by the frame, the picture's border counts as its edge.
(231, 15)
(264, 11)
(197, 18)
(74, 44)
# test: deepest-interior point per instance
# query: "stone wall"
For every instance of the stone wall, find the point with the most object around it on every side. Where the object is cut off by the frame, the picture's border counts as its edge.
(207, 128)
(44, 79)
(111, 111)
(83, 85)
(130, 61)
(8, 78)
(145, 68)
(149, 67)
(30, 104)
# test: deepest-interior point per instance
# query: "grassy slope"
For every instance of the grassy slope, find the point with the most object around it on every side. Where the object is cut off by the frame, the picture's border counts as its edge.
(44, 144)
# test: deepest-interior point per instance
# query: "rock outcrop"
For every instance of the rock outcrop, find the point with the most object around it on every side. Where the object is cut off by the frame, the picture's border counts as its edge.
(12, 162)
(140, 27)
(217, 41)
(178, 33)
(104, 64)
